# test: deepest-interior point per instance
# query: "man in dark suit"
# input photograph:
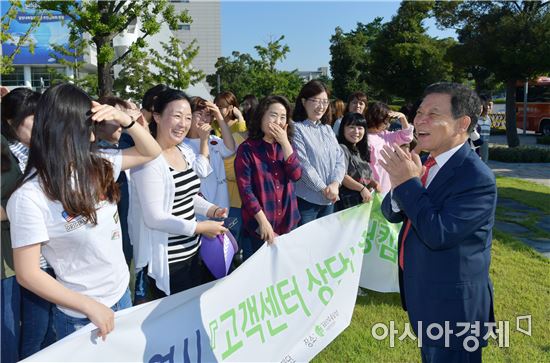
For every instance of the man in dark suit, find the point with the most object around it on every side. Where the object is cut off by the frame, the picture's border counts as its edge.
(447, 207)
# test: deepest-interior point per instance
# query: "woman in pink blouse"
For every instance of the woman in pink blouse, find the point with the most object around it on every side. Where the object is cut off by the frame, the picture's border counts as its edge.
(378, 120)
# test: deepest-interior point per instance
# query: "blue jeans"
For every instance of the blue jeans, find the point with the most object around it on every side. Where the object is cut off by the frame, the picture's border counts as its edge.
(37, 330)
(141, 288)
(11, 312)
(66, 324)
(311, 211)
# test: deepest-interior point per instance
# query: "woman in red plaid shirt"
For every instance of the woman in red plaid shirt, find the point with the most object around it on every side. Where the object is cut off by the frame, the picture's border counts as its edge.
(267, 166)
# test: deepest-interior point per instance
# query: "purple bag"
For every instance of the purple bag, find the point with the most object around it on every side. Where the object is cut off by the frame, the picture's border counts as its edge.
(217, 253)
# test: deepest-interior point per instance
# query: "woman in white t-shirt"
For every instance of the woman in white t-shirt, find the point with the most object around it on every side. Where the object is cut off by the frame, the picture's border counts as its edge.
(162, 220)
(66, 207)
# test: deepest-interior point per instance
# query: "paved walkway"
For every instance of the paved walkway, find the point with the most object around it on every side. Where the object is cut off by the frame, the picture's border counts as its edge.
(515, 212)
(535, 172)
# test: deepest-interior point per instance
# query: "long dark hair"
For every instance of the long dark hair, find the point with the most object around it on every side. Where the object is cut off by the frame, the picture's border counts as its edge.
(251, 101)
(310, 89)
(355, 119)
(255, 125)
(61, 152)
(16, 106)
(162, 100)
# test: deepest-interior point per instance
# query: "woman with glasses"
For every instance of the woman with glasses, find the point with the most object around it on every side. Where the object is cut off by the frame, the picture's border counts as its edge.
(357, 103)
(378, 118)
(322, 159)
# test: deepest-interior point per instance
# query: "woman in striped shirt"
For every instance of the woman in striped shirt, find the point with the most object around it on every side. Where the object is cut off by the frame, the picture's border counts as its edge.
(162, 217)
(322, 159)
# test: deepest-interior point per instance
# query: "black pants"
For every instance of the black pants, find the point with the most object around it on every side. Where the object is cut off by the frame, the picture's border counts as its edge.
(184, 275)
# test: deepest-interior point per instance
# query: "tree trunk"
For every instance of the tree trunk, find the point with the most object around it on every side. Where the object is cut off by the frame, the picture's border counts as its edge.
(104, 78)
(511, 128)
(104, 62)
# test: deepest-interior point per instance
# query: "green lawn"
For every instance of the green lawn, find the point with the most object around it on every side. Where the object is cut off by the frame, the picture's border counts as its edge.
(521, 279)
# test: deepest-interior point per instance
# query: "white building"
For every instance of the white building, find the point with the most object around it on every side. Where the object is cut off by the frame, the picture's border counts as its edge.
(205, 28)
(311, 75)
(31, 70)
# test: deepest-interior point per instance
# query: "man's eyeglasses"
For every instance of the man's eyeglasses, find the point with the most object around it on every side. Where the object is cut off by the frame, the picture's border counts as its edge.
(319, 102)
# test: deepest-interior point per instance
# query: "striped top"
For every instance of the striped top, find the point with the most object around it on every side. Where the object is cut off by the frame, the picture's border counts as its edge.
(21, 153)
(187, 183)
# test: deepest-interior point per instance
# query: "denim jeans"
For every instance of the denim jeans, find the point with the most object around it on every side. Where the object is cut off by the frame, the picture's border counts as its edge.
(37, 330)
(484, 152)
(311, 211)
(11, 312)
(141, 287)
(66, 324)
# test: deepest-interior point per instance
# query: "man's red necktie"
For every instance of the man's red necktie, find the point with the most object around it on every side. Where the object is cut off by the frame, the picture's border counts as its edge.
(428, 164)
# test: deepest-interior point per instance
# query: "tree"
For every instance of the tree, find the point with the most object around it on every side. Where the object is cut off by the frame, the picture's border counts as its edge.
(103, 20)
(135, 76)
(404, 58)
(351, 58)
(504, 37)
(173, 69)
(242, 74)
(72, 57)
(15, 6)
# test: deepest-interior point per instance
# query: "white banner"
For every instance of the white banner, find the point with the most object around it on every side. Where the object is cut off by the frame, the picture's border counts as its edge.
(380, 269)
(285, 304)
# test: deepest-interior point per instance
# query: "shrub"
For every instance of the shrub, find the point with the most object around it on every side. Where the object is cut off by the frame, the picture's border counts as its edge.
(498, 131)
(520, 154)
(544, 140)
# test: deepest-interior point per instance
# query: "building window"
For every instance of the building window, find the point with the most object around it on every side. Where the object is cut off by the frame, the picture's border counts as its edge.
(15, 79)
(182, 27)
(39, 75)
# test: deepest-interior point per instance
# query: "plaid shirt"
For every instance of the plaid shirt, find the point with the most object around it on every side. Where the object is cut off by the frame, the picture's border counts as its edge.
(266, 182)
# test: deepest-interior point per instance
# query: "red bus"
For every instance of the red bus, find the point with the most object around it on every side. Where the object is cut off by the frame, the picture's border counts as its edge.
(538, 105)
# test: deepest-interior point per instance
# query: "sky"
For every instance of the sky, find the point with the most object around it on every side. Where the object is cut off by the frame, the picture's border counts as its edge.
(306, 25)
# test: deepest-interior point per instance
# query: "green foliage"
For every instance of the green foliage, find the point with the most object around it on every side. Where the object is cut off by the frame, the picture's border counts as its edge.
(173, 69)
(5, 36)
(543, 140)
(503, 38)
(135, 76)
(103, 20)
(243, 74)
(351, 59)
(404, 58)
(521, 154)
(72, 57)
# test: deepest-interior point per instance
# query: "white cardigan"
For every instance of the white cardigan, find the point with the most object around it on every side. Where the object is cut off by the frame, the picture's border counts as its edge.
(150, 219)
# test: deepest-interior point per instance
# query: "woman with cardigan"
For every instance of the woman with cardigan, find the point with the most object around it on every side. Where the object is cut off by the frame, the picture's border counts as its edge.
(165, 202)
